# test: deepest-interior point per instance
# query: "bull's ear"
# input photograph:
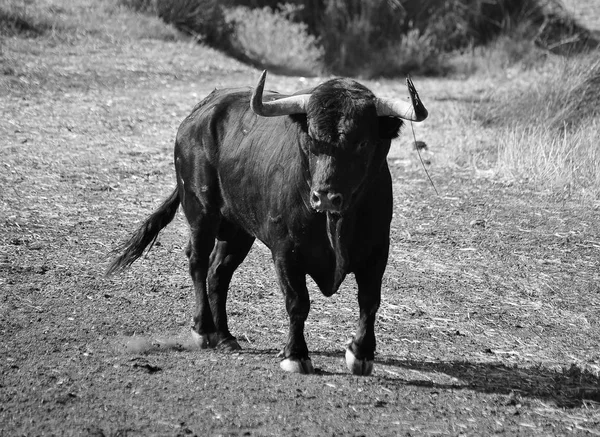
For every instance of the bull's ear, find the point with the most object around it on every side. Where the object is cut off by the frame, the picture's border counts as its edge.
(389, 127)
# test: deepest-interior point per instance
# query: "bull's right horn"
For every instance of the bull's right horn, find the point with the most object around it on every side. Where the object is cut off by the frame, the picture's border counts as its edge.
(285, 106)
(402, 109)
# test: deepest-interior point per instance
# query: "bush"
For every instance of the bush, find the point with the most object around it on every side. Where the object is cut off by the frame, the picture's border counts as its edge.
(549, 132)
(565, 98)
(267, 38)
(415, 53)
(204, 19)
(375, 37)
(387, 37)
(507, 54)
(462, 23)
(18, 19)
(356, 33)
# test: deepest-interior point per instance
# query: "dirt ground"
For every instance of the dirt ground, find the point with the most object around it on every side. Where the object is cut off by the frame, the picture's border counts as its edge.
(490, 318)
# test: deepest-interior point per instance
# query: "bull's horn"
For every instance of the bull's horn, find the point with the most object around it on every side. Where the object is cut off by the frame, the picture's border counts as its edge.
(286, 106)
(399, 108)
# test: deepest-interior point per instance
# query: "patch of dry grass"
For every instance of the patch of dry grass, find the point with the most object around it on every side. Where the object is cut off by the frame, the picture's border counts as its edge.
(566, 162)
(547, 126)
(69, 22)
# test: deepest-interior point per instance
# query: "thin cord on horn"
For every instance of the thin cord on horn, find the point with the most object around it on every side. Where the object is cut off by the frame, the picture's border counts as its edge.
(421, 159)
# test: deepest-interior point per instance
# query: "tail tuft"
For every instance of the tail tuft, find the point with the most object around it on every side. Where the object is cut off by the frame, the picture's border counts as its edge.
(145, 236)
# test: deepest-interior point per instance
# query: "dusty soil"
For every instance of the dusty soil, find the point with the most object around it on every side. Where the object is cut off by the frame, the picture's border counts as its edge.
(490, 320)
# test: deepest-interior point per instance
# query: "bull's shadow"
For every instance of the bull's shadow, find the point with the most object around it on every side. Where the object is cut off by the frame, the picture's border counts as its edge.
(568, 387)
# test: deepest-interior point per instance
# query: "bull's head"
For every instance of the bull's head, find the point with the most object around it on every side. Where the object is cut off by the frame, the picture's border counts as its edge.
(347, 125)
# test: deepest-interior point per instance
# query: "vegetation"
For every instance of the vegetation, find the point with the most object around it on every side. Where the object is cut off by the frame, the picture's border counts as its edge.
(271, 39)
(17, 18)
(549, 131)
(370, 39)
(204, 19)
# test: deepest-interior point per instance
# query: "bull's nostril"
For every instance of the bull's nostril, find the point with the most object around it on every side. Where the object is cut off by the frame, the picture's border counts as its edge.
(326, 201)
(336, 200)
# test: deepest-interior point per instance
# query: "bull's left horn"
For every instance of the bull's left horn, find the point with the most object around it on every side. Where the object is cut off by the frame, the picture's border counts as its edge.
(286, 106)
(414, 111)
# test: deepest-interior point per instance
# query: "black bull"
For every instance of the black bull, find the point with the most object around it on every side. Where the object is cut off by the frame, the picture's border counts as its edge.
(305, 174)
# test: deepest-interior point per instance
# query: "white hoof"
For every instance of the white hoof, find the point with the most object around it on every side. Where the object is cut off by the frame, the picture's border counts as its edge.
(204, 341)
(304, 367)
(356, 366)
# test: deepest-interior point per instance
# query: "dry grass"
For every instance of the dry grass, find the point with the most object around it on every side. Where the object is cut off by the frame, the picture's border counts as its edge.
(69, 22)
(564, 162)
(548, 126)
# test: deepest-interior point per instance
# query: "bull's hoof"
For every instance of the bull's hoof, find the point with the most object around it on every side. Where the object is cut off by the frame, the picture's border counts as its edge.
(292, 365)
(204, 341)
(356, 366)
(228, 345)
(211, 341)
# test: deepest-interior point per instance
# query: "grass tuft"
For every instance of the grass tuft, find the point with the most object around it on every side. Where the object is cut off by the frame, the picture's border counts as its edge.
(564, 162)
(549, 132)
(567, 96)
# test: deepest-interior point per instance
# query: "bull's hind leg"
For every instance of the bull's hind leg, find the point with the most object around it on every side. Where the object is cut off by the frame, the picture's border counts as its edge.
(202, 241)
(361, 349)
(297, 303)
(225, 258)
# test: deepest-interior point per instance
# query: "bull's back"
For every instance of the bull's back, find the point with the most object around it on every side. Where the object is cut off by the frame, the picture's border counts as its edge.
(247, 166)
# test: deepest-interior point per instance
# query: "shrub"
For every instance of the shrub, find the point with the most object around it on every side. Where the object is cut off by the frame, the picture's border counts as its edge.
(415, 53)
(355, 33)
(582, 96)
(564, 98)
(505, 54)
(267, 38)
(462, 23)
(376, 37)
(16, 18)
(204, 19)
(359, 36)
(549, 131)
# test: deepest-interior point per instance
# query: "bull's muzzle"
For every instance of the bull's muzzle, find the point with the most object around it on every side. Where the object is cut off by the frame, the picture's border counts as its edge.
(327, 201)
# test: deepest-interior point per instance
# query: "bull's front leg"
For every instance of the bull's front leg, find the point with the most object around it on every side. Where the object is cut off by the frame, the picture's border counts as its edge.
(292, 280)
(360, 352)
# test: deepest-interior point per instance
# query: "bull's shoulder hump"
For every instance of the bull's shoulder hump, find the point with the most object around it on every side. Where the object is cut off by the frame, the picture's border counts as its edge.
(219, 101)
(232, 97)
(224, 96)
(226, 101)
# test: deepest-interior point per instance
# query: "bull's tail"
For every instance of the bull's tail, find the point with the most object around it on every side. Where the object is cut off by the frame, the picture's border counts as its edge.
(146, 234)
